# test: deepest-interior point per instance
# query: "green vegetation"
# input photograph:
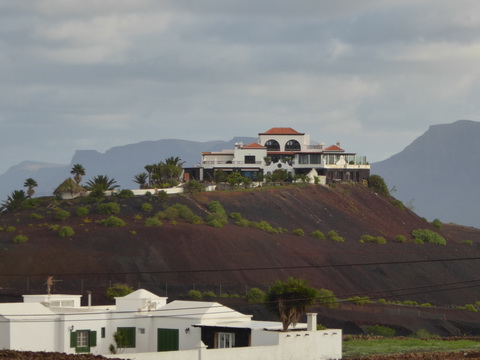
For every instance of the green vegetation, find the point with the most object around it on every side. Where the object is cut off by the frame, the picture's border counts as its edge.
(401, 239)
(147, 207)
(113, 221)
(373, 239)
(20, 239)
(428, 236)
(31, 203)
(35, 216)
(61, 214)
(193, 186)
(66, 231)
(82, 211)
(110, 208)
(126, 194)
(377, 184)
(437, 223)
(327, 298)
(317, 234)
(398, 204)
(364, 348)
(209, 295)
(30, 184)
(467, 242)
(298, 232)
(194, 295)
(255, 295)
(290, 299)
(333, 235)
(218, 217)
(379, 330)
(359, 300)
(118, 290)
(153, 221)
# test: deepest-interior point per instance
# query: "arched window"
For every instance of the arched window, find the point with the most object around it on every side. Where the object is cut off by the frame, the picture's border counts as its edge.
(292, 145)
(272, 145)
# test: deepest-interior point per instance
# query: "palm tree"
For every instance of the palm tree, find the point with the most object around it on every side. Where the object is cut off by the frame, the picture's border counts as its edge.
(149, 169)
(101, 183)
(290, 299)
(30, 184)
(78, 171)
(141, 179)
(14, 201)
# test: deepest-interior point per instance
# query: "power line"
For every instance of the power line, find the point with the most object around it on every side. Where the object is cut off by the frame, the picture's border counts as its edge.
(294, 267)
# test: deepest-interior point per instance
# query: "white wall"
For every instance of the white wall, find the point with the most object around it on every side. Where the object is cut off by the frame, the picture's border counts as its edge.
(33, 335)
(4, 333)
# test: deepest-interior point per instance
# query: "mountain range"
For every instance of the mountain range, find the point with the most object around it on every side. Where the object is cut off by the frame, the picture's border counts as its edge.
(438, 173)
(435, 175)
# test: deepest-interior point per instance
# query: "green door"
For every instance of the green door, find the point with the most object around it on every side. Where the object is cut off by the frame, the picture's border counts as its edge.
(167, 339)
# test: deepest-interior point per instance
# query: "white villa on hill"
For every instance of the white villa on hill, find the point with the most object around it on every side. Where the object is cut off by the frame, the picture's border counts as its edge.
(285, 148)
(155, 329)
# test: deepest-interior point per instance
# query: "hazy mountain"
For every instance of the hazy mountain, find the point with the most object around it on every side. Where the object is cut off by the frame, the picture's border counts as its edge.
(121, 163)
(439, 173)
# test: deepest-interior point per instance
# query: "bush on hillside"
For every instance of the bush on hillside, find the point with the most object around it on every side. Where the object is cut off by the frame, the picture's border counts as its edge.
(255, 295)
(61, 214)
(379, 330)
(401, 239)
(194, 295)
(82, 211)
(317, 234)
(125, 194)
(113, 221)
(153, 221)
(118, 290)
(66, 231)
(373, 239)
(437, 223)
(110, 208)
(333, 235)
(429, 236)
(298, 232)
(377, 184)
(20, 239)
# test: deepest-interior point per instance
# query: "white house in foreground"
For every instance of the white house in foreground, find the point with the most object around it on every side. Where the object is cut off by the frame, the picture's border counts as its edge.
(283, 148)
(151, 328)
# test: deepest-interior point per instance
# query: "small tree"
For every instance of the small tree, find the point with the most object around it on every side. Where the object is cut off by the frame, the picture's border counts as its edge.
(118, 290)
(289, 300)
(377, 184)
(30, 184)
(78, 171)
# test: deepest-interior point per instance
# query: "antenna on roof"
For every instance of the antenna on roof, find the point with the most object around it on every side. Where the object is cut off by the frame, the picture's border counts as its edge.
(50, 284)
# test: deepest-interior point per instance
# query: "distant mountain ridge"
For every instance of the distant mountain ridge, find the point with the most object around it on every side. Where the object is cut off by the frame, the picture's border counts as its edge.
(439, 172)
(121, 163)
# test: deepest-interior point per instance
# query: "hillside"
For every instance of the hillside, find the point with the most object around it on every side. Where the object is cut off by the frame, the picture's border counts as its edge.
(437, 173)
(178, 256)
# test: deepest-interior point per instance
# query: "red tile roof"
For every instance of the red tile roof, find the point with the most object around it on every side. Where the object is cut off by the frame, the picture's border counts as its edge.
(253, 145)
(333, 148)
(281, 131)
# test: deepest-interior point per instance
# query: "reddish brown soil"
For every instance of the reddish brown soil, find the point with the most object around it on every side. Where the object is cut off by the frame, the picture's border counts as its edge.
(170, 259)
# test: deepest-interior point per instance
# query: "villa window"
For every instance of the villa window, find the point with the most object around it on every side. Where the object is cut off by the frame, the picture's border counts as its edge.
(83, 340)
(315, 159)
(225, 340)
(272, 145)
(292, 145)
(303, 159)
(249, 159)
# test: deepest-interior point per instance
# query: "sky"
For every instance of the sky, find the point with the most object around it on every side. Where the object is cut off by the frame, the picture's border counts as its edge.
(94, 74)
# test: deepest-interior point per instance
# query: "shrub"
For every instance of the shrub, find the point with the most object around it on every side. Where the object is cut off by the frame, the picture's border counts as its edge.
(398, 204)
(66, 231)
(360, 300)
(224, 295)
(377, 184)
(234, 296)
(61, 214)
(467, 242)
(429, 236)
(236, 216)
(317, 234)
(424, 334)
(118, 290)
(243, 222)
(217, 219)
(209, 295)
(125, 194)
(437, 223)
(263, 225)
(194, 295)
(53, 227)
(31, 203)
(255, 296)
(401, 239)
(35, 216)
(170, 213)
(298, 232)
(20, 239)
(381, 301)
(110, 208)
(468, 307)
(418, 241)
(10, 229)
(373, 239)
(153, 221)
(333, 235)
(379, 330)
(113, 221)
(410, 303)
(82, 211)
(193, 186)
(186, 213)
(327, 298)
(320, 326)
(426, 305)
(147, 207)
(215, 207)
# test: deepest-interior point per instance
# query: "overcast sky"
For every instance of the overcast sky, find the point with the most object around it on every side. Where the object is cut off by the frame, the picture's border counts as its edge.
(93, 74)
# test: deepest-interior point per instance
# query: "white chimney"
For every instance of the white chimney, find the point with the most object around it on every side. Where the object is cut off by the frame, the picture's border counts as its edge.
(311, 321)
